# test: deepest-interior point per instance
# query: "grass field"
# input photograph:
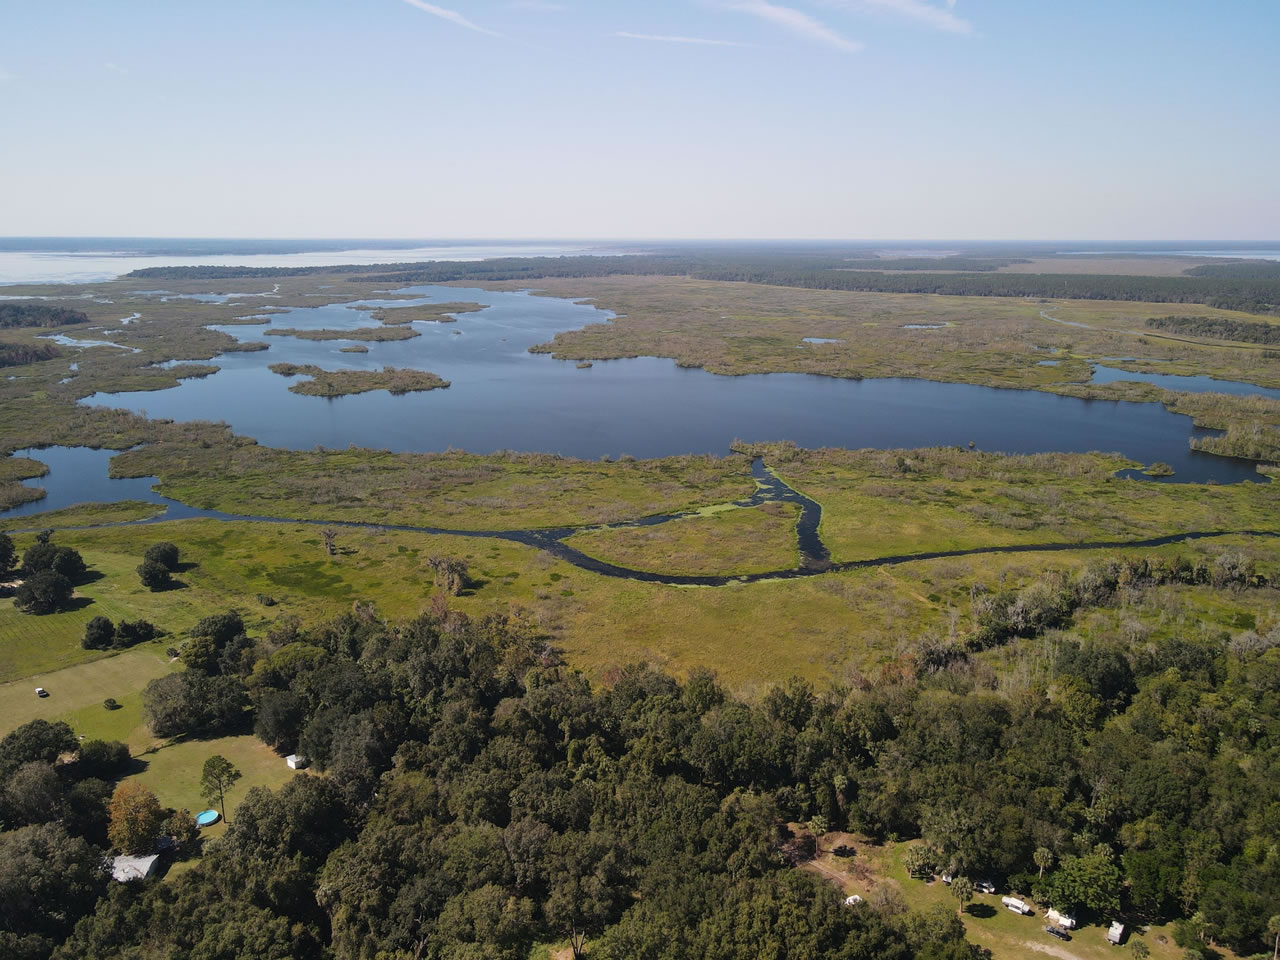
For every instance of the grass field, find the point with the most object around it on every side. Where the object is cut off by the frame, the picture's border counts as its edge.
(1009, 936)
(882, 503)
(734, 540)
(173, 772)
(76, 693)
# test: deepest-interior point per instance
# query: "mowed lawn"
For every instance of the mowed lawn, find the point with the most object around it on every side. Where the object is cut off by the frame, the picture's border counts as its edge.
(1008, 935)
(39, 644)
(173, 772)
(76, 695)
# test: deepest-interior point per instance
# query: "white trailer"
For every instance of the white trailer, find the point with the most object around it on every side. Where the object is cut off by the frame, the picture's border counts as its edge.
(1064, 920)
(1116, 933)
(1016, 905)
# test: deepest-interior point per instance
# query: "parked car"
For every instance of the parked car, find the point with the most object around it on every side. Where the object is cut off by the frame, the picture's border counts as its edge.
(852, 901)
(985, 886)
(41, 692)
(1055, 931)
(946, 878)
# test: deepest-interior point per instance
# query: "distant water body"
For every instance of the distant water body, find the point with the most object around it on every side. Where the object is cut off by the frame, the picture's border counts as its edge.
(87, 260)
(1243, 253)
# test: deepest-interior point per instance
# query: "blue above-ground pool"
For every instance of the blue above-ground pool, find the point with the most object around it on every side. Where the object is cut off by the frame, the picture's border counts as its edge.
(207, 818)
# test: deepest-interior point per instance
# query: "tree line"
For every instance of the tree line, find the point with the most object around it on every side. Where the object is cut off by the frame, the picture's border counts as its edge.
(1250, 294)
(1220, 328)
(21, 354)
(39, 315)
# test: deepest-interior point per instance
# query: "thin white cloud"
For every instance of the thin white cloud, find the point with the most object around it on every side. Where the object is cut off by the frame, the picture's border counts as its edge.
(661, 38)
(453, 16)
(920, 11)
(798, 22)
(115, 68)
(5, 75)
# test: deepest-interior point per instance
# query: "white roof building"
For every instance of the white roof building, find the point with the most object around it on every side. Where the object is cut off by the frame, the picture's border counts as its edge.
(125, 868)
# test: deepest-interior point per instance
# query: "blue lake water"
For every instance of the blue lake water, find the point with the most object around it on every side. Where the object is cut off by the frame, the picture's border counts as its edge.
(79, 475)
(503, 397)
(1187, 384)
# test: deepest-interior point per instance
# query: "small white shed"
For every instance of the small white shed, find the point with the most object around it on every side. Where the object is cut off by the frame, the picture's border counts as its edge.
(1116, 933)
(296, 761)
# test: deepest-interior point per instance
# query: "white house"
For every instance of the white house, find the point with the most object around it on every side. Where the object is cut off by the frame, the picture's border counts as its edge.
(296, 761)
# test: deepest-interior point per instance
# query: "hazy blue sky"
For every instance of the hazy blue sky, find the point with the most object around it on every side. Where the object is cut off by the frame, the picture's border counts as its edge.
(1019, 119)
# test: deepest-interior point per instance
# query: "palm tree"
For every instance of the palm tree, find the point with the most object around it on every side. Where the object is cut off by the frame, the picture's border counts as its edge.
(1273, 930)
(1043, 858)
(962, 890)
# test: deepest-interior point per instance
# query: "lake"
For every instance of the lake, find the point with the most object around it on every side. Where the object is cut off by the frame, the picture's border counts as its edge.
(86, 260)
(503, 397)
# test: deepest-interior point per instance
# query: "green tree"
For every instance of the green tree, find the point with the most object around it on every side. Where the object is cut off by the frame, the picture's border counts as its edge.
(1092, 881)
(1139, 949)
(154, 575)
(450, 573)
(8, 554)
(918, 861)
(587, 890)
(135, 818)
(43, 592)
(99, 633)
(962, 890)
(218, 776)
(1273, 931)
(36, 740)
(164, 553)
(183, 828)
(48, 880)
(45, 556)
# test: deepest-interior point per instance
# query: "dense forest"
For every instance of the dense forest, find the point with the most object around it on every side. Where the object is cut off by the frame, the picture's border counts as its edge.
(1220, 328)
(1242, 270)
(38, 315)
(817, 272)
(20, 354)
(478, 797)
(965, 264)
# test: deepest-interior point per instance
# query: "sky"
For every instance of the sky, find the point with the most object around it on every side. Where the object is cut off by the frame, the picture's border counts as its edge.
(889, 119)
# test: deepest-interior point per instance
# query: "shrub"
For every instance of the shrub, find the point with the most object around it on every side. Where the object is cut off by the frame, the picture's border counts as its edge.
(132, 632)
(110, 704)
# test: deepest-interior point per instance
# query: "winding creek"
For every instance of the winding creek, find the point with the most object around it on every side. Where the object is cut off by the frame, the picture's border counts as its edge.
(70, 466)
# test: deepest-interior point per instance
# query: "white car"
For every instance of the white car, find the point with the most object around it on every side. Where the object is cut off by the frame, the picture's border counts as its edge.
(985, 886)
(852, 901)
(946, 878)
(41, 692)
